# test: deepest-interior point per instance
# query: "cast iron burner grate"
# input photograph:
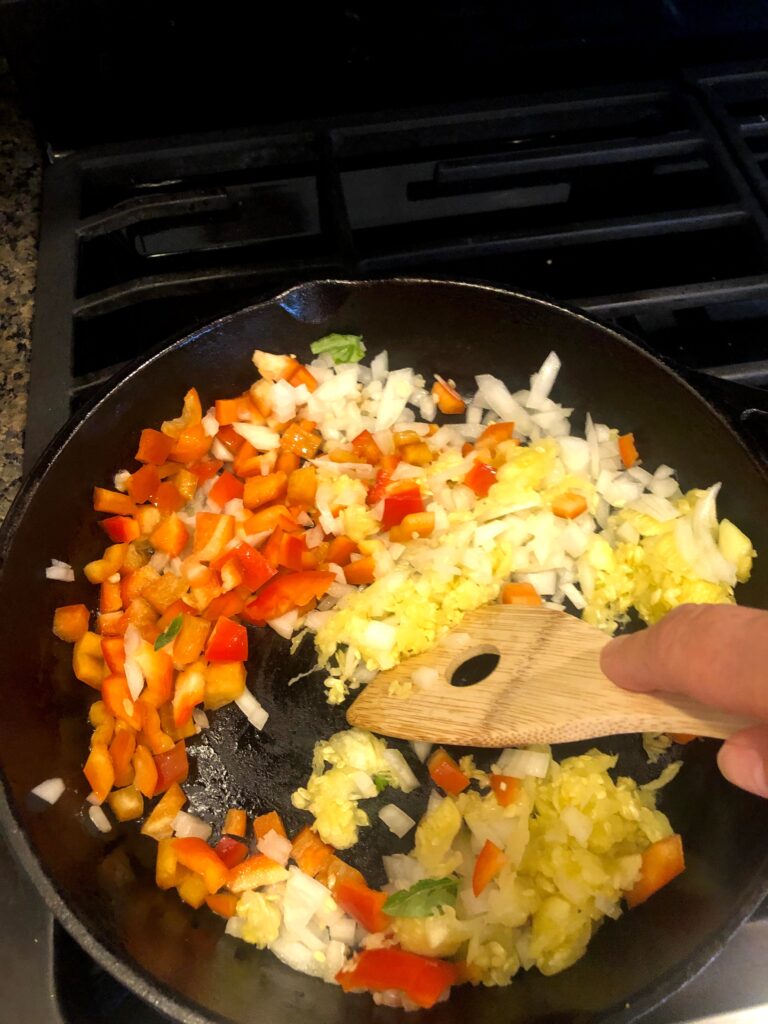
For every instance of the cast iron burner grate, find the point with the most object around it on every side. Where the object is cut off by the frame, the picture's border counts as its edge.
(641, 203)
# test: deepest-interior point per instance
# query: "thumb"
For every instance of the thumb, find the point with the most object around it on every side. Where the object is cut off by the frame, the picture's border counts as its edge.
(743, 759)
(714, 653)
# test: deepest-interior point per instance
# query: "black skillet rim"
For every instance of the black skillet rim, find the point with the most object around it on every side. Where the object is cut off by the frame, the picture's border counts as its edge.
(126, 972)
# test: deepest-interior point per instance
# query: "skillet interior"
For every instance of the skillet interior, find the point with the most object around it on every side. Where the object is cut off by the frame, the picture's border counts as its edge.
(102, 887)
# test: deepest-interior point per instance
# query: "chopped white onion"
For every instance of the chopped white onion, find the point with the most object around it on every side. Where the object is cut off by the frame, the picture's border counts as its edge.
(275, 846)
(425, 676)
(134, 677)
(401, 769)
(210, 424)
(200, 718)
(132, 640)
(284, 625)
(262, 438)
(189, 826)
(421, 749)
(99, 818)
(50, 790)
(521, 763)
(343, 930)
(578, 824)
(252, 710)
(60, 571)
(221, 452)
(574, 595)
(396, 820)
(121, 479)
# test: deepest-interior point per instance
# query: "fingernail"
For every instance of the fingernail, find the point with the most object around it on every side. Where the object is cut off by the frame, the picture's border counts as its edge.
(744, 767)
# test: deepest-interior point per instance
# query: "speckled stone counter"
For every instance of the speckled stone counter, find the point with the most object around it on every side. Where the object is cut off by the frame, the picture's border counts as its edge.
(20, 168)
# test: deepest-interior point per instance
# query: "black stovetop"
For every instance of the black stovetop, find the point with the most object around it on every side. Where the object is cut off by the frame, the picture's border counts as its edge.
(646, 204)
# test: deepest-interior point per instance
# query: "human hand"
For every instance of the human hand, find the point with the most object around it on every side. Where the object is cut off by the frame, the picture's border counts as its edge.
(717, 654)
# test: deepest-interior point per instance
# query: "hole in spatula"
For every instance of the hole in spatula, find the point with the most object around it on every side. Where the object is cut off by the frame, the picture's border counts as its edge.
(474, 666)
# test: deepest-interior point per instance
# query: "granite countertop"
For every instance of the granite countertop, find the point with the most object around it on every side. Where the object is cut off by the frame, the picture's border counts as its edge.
(20, 169)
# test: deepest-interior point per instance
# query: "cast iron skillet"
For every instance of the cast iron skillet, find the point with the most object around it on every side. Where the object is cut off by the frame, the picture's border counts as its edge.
(102, 888)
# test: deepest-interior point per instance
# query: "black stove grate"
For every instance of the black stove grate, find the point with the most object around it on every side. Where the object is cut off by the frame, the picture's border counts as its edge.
(642, 204)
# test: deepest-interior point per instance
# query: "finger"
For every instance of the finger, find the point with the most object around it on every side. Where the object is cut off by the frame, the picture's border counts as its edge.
(715, 653)
(743, 760)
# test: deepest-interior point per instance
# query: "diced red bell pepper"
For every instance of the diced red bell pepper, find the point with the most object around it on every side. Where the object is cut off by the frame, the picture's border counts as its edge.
(70, 622)
(365, 446)
(226, 488)
(257, 870)
(194, 853)
(113, 502)
(120, 529)
(168, 498)
(423, 979)
(117, 697)
(292, 550)
(505, 788)
(480, 478)
(446, 773)
(662, 861)
(269, 822)
(231, 851)
(256, 569)
(223, 903)
(142, 485)
(157, 667)
(489, 863)
(341, 550)
(99, 771)
(203, 470)
(235, 822)
(362, 903)
(360, 572)
(448, 399)
(172, 766)
(310, 852)
(228, 641)
(154, 447)
(284, 593)
(259, 490)
(399, 503)
(628, 451)
(188, 693)
(145, 771)
(304, 376)
(113, 651)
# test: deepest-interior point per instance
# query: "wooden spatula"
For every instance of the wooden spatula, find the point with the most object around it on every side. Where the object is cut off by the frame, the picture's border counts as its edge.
(546, 688)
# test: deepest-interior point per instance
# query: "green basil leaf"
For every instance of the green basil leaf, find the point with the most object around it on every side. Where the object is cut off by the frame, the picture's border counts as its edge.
(343, 348)
(381, 782)
(170, 633)
(423, 898)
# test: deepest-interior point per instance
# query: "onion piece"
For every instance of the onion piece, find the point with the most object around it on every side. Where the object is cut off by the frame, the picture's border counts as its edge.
(61, 571)
(284, 625)
(210, 424)
(99, 818)
(406, 780)
(134, 677)
(200, 718)
(262, 438)
(275, 846)
(252, 710)
(50, 790)
(543, 381)
(521, 763)
(223, 454)
(421, 749)
(396, 820)
(188, 826)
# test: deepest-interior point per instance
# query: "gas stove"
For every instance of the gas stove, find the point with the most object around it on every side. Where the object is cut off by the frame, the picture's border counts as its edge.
(645, 204)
